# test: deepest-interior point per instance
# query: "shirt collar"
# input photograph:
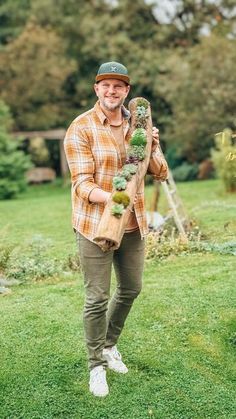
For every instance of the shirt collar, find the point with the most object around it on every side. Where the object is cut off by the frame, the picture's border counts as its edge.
(126, 114)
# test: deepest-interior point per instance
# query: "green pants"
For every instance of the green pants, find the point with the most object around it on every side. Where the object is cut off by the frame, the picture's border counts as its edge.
(102, 323)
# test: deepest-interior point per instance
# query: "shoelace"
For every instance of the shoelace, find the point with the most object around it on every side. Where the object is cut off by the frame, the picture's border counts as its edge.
(116, 353)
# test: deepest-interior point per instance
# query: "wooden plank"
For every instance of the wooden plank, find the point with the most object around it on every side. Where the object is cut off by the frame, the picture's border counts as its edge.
(53, 134)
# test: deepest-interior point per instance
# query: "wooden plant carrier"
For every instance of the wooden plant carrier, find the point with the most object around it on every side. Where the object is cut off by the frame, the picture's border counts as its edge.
(111, 229)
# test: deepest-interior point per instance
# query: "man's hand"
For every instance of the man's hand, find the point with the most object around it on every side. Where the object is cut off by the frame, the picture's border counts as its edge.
(155, 138)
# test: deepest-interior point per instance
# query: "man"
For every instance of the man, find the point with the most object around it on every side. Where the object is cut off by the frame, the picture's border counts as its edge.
(95, 146)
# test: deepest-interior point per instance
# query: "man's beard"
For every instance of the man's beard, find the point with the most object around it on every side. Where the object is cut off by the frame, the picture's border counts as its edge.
(109, 106)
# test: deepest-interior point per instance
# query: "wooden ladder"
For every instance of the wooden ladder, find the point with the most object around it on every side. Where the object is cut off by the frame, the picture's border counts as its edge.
(176, 206)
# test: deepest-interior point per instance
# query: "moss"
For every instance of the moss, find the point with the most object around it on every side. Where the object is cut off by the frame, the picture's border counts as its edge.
(121, 198)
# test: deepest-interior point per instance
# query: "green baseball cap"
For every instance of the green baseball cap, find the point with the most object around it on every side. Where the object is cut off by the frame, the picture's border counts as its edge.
(113, 70)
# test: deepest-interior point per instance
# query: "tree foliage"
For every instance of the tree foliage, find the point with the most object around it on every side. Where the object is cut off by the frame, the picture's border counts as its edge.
(50, 51)
(224, 159)
(201, 87)
(13, 162)
(33, 69)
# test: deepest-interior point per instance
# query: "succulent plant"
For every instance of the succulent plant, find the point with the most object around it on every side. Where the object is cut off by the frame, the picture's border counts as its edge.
(126, 174)
(141, 122)
(141, 112)
(117, 210)
(132, 168)
(121, 198)
(136, 151)
(119, 183)
(142, 102)
(139, 137)
(132, 160)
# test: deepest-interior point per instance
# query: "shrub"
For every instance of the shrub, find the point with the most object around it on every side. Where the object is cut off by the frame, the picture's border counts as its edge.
(185, 172)
(161, 245)
(224, 159)
(30, 262)
(13, 162)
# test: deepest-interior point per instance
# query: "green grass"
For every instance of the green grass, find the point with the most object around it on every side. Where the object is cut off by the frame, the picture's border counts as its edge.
(179, 340)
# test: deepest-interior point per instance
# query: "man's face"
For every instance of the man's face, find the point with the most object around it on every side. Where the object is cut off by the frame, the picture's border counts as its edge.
(111, 93)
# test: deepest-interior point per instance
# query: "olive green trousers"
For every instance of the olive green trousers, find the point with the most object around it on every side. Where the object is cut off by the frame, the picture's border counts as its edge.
(104, 322)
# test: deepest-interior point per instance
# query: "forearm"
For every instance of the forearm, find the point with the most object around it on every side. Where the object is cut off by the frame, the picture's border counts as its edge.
(97, 196)
(158, 167)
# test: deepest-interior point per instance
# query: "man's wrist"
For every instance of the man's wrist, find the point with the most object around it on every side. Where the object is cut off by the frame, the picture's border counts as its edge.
(107, 197)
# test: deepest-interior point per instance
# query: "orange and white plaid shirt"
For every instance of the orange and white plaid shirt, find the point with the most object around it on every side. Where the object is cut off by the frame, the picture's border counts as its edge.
(94, 158)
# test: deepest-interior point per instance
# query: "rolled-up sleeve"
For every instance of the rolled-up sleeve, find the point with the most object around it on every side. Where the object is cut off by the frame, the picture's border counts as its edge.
(80, 161)
(158, 166)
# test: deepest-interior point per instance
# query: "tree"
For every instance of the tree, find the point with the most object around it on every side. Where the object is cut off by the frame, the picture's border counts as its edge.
(33, 70)
(189, 19)
(201, 88)
(13, 17)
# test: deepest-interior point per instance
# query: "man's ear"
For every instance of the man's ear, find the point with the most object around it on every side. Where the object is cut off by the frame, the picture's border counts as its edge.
(95, 86)
(127, 90)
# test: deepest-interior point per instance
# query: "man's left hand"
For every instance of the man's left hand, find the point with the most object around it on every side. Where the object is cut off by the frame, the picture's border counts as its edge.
(155, 138)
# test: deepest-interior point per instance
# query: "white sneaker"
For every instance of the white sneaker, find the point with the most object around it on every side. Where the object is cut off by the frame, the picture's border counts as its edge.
(113, 358)
(98, 383)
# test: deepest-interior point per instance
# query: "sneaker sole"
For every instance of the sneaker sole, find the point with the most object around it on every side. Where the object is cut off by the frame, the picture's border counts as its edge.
(118, 372)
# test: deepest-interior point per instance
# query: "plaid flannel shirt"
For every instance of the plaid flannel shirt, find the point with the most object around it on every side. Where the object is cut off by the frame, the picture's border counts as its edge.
(94, 158)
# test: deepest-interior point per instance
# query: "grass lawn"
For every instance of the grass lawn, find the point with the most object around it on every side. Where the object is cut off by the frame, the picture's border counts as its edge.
(179, 340)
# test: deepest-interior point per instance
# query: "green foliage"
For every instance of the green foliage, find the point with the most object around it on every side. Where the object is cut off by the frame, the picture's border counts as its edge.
(136, 152)
(189, 84)
(161, 245)
(141, 117)
(185, 172)
(119, 183)
(126, 174)
(30, 261)
(39, 152)
(13, 162)
(138, 137)
(132, 168)
(34, 69)
(121, 198)
(117, 210)
(5, 116)
(142, 103)
(224, 159)
(173, 156)
(226, 248)
(200, 86)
